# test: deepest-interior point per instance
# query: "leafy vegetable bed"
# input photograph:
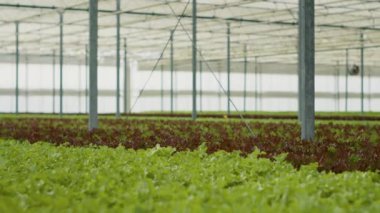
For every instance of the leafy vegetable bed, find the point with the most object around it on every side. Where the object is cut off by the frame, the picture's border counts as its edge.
(262, 116)
(45, 178)
(337, 148)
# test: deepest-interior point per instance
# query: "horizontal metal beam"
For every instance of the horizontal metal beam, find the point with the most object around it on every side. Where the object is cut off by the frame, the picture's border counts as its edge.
(188, 93)
(230, 19)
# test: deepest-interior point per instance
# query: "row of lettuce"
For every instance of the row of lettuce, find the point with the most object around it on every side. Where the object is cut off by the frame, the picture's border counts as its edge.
(41, 177)
(337, 147)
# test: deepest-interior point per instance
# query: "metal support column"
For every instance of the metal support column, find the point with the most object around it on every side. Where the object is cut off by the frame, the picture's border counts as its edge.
(300, 109)
(162, 88)
(369, 90)
(256, 85)
(171, 71)
(126, 78)
(117, 59)
(200, 86)
(26, 84)
(60, 63)
(337, 86)
(176, 95)
(260, 90)
(228, 68)
(306, 60)
(93, 43)
(347, 70)
(53, 81)
(87, 76)
(219, 89)
(80, 86)
(362, 73)
(194, 61)
(17, 67)
(245, 78)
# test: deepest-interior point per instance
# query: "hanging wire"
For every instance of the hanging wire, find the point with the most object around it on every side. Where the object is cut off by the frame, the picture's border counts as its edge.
(203, 58)
(159, 59)
(214, 75)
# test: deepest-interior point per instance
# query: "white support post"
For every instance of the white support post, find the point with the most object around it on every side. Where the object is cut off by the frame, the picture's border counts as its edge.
(228, 68)
(118, 59)
(194, 61)
(17, 66)
(362, 73)
(61, 63)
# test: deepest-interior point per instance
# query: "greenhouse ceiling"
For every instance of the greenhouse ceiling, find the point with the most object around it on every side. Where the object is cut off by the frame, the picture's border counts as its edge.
(268, 28)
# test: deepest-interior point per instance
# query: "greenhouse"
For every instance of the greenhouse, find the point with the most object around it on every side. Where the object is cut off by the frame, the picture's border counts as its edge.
(190, 106)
